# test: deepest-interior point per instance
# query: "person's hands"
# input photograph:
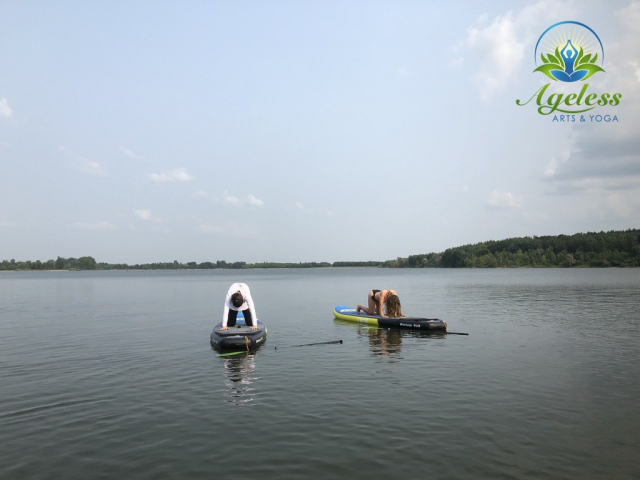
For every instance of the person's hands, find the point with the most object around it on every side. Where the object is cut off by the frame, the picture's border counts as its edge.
(224, 328)
(254, 327)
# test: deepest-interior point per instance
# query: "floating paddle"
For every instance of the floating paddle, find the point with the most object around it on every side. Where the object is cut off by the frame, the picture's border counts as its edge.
(319, 343)
(304, 345)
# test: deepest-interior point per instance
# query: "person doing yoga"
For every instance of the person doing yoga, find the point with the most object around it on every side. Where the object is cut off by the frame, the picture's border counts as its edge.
(239, 300)
(377, 299)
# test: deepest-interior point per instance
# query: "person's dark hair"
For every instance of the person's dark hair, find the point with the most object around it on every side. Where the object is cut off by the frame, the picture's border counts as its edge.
(237, 300)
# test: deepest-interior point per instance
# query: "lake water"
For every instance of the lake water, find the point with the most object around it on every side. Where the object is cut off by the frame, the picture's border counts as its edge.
(111, 375)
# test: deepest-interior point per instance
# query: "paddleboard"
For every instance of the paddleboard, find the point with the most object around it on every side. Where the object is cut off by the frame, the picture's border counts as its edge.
(240, 336)
(411, 323)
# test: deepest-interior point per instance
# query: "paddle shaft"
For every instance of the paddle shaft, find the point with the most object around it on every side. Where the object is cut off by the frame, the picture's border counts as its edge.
(319, 343)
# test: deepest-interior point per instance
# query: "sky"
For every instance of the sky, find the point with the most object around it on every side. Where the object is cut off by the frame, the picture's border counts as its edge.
(290, 131)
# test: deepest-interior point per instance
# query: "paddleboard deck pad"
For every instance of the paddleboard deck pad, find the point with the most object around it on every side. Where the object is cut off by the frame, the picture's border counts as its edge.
(411, 323)
(239, 337)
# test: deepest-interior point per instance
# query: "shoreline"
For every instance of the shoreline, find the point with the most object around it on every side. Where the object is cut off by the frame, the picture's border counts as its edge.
(324, 268)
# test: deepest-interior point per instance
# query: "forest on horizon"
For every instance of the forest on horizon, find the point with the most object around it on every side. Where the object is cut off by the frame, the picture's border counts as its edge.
(616, 248)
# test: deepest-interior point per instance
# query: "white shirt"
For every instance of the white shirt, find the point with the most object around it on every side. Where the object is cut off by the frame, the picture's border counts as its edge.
(248, 303)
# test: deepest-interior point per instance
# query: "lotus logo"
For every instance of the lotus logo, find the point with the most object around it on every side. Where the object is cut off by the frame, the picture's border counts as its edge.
(569, 52)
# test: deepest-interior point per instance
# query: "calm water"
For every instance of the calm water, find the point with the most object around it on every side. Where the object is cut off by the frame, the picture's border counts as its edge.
(110, 375)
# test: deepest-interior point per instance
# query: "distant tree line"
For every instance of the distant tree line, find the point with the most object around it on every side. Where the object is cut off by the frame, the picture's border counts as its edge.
(89, 263)
(591, 249)
(356, 264)
(82, 263)
(289, 265)
(175, 265)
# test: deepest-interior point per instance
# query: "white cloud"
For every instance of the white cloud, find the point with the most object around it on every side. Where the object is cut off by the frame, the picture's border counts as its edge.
(231, 199)
(251, 200)
(181, 175)
(554, 164)
(503, 200)
(497, 48)
(5, 110)
(6, 224)
(85, 165)
(199, 193)
(168, 176)
(299, 205)
(142, 213)
(236, 202)
(552, 168)
(234, 231)
(403, 71)
(104, 225)
(92, 167)
(128, 153)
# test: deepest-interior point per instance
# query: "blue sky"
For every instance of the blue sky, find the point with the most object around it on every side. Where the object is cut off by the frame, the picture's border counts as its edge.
(301, 131)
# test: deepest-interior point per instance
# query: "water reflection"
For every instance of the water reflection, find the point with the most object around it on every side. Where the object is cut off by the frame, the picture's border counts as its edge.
(385, 344)
(239, 378)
